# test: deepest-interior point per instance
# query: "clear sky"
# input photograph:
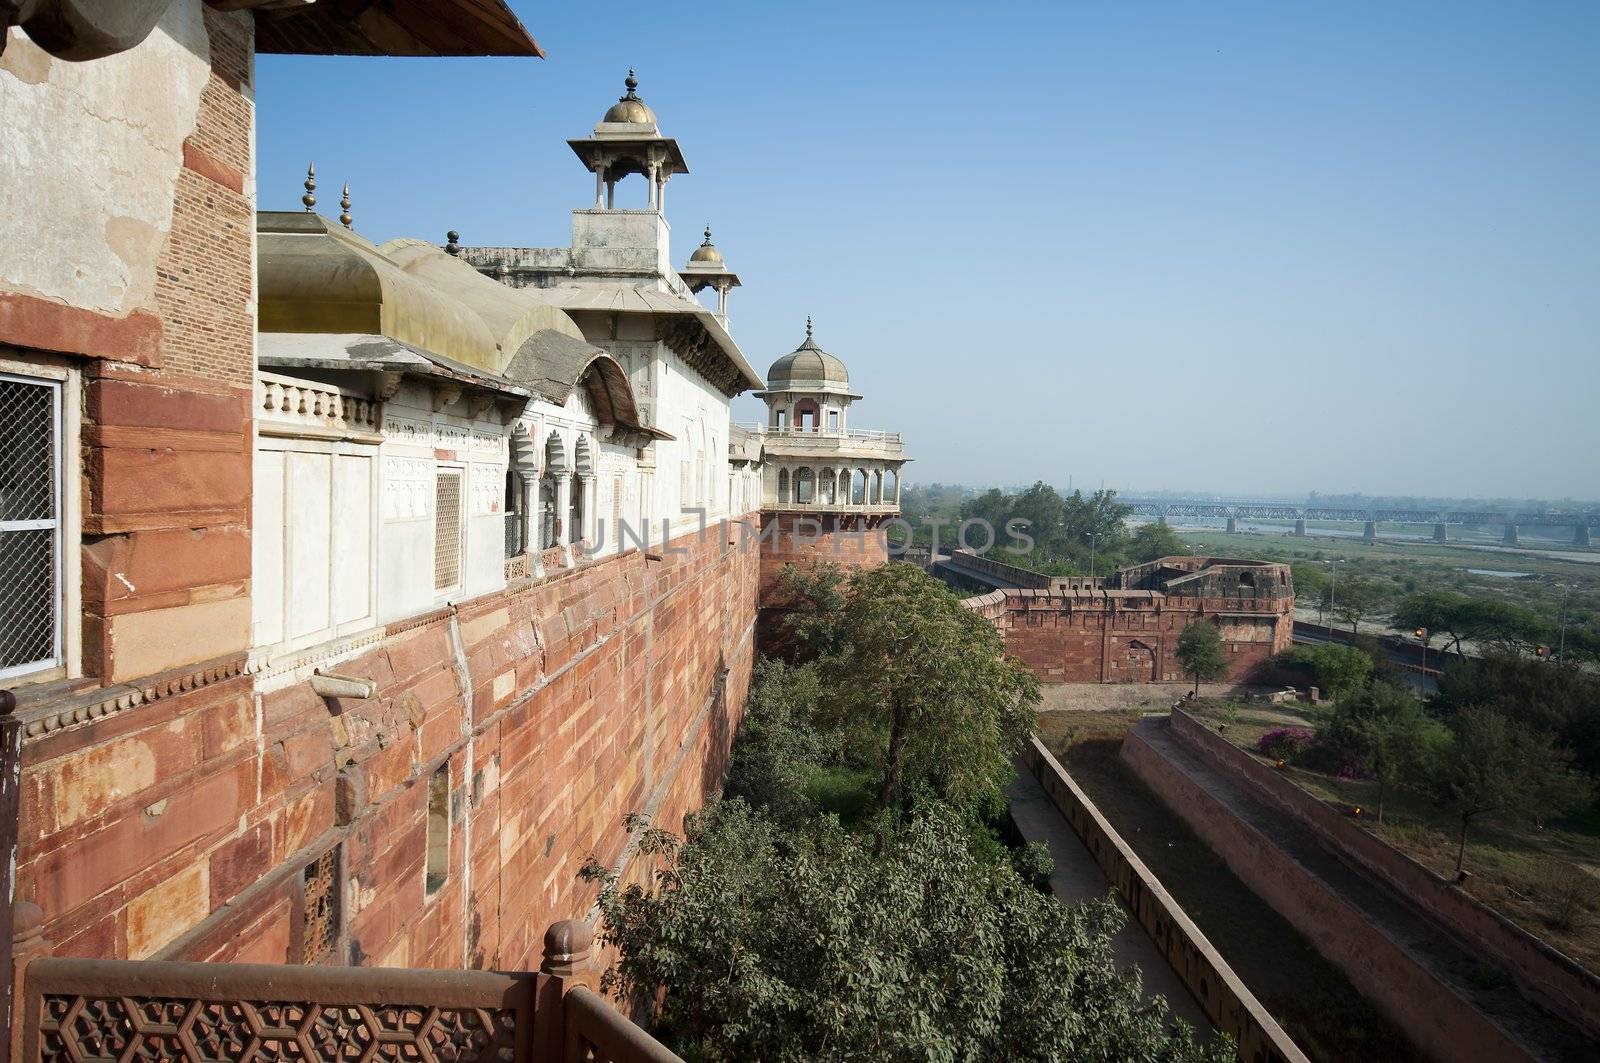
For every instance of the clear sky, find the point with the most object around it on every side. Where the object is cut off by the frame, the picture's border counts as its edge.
(1269, 247)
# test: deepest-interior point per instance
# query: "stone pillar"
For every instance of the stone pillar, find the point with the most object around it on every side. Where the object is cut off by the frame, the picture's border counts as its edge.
(1300, 527)
(533, 521)
(1370, 531)
(27, 944)
(568, 535)
(1580, 535)
(1233, 525)
(599, 187)
(1511, 535)
(1441, 532)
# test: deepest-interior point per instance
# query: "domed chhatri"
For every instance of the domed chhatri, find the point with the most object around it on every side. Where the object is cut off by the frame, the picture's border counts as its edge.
(707, 252)
(808, 368)
(629, 108)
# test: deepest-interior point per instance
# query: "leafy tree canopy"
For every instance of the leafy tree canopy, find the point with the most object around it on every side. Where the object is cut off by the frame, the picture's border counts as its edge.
(1496, 765)
(919, 682)
(764, 944)
(1200, 651)
(1338, 670)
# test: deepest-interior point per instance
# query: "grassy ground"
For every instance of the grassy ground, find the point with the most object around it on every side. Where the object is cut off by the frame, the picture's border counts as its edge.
(1402, 568)
(1546, 878)
(1314, 1001)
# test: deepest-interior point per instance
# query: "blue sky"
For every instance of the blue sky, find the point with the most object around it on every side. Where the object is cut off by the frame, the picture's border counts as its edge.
(1261, 248)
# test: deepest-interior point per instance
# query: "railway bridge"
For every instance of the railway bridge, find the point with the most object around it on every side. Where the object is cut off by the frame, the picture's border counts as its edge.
(1581, 521)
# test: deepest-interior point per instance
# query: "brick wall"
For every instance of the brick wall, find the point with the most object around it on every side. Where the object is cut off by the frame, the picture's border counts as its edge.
(789, 539)
(179, 827)
(1090, 637)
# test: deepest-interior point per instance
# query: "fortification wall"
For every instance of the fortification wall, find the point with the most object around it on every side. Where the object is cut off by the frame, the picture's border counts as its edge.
(190, 817)
(794, 539)
(1439, 1020)
(1573, 988)
(1089, 638)
(1226, 1000)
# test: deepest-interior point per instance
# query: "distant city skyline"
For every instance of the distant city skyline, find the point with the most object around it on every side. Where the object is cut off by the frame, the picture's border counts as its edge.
(1249, 247)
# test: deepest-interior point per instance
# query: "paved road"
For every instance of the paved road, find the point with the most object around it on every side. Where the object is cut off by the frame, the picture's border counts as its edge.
(1078, 878)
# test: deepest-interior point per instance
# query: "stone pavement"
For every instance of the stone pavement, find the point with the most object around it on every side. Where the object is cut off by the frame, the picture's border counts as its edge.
(1078, 878)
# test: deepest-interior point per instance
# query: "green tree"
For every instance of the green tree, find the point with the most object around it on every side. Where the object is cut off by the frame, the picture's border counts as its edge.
(1561, 701)
(922, 680)
(1311, 585)
(1338, 670)
(1200, 651)
(763, 944)
(1153, 541)
(1353, 600)
(1384, 729)
(1441, 612)
(777, 751)
(1494, 765)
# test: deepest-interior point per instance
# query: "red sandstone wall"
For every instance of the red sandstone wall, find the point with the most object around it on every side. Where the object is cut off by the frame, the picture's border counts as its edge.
(1069, 639)
(787, 539)
(179, 827)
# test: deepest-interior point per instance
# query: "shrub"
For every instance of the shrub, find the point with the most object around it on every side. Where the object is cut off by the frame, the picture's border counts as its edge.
(1286, 743)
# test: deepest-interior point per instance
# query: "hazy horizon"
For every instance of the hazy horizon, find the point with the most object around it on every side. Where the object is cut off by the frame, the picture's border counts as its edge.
(1250, 246)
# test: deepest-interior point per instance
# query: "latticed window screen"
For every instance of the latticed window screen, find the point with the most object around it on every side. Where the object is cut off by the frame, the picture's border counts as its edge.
(320, 908)
(516, 538)
(30, 524)
(447, 529)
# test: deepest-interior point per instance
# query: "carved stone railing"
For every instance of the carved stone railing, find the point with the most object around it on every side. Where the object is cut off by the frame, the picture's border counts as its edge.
(290, 406)
(83, 1010)
(77, 1009)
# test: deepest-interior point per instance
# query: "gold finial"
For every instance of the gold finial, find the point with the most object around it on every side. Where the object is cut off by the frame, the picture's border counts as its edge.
(708, 235)
(631, 84)
(310, 198)
(344, 207)
(451, 247)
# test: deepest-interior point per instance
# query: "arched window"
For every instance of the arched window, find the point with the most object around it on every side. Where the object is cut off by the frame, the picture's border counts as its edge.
(516, 519)
(575, 510)
(891, 487)
(858, 488)
(548, 535)
(877, 486)
(830, 483)
(783, 485)
(802, 486)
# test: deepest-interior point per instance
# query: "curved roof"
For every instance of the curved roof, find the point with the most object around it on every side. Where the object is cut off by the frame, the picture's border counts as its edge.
(808, 368)
(317, 276)
(410, 302)
(512, 314)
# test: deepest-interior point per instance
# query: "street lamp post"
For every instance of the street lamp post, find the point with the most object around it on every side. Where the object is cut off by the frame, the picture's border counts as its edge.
(1422, 677)
(1561, 642)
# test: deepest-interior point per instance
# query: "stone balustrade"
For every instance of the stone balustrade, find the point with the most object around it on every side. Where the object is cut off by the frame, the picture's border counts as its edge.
(290, 406)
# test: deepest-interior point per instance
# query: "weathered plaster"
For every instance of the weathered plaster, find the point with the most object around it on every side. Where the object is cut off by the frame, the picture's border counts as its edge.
(89, 161)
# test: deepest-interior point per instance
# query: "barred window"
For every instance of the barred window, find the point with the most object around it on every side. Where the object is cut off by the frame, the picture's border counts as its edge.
(447, 529)
(30, 525)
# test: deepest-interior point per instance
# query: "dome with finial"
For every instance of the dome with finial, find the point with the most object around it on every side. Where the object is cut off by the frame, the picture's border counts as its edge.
(629, 108)
(808, 368)
(707, 253)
